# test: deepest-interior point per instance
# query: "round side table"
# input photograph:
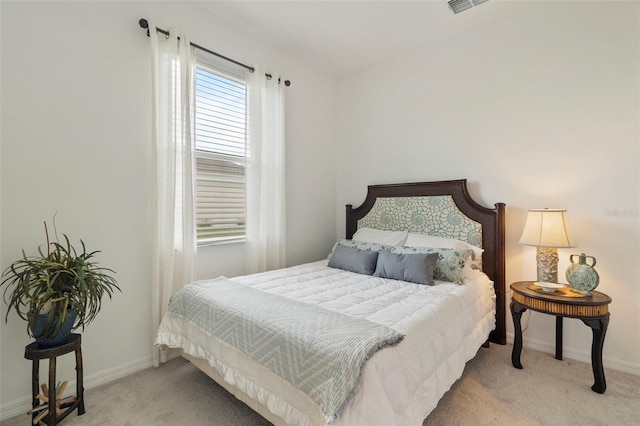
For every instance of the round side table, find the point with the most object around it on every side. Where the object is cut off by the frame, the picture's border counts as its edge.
(35, 352)
(592, 310)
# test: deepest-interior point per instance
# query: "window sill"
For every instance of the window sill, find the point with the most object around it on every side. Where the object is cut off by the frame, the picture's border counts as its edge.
(221, 241)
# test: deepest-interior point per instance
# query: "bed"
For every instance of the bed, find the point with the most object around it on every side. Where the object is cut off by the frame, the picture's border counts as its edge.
(429, 332)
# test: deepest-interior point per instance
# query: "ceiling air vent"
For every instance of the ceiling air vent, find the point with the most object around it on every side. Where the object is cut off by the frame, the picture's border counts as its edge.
(458, 6)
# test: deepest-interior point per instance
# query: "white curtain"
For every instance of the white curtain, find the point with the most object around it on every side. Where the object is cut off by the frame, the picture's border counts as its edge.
(265, 227)
(172, 133)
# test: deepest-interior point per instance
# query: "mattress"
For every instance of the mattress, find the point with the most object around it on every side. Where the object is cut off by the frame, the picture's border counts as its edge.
(444, 325)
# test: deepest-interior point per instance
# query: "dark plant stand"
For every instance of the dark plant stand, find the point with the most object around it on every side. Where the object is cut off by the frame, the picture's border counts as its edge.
(35, 352)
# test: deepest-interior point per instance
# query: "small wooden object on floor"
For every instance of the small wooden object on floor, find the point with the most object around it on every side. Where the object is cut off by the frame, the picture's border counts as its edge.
(43, 410)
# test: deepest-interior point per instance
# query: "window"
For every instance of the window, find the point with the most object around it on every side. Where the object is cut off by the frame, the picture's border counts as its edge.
(220, 142)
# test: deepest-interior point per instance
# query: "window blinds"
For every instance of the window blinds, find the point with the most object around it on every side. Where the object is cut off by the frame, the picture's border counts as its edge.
(220, 139)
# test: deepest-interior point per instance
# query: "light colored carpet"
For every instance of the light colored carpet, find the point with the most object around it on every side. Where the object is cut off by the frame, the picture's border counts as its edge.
(490, 392)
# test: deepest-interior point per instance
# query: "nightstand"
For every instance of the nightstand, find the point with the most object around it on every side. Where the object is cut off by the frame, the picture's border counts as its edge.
(592, 310)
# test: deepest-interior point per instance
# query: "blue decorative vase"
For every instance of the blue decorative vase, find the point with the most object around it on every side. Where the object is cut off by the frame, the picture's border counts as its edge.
(582, 276)
(63, 333)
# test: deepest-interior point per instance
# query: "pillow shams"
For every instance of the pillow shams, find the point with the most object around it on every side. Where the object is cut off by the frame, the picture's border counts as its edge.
(431, 241)
(412, 267)
(360, 245)
(378, 236)
(354, 260)
(450, 263)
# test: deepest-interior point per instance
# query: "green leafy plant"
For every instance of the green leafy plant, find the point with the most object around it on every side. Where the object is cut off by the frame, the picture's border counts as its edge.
(63, 278)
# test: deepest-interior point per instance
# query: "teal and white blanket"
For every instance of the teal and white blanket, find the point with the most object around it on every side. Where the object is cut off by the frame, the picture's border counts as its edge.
(319, 351)
(444, 325)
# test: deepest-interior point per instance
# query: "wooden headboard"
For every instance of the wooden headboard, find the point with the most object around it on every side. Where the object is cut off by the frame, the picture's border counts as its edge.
(478, 225)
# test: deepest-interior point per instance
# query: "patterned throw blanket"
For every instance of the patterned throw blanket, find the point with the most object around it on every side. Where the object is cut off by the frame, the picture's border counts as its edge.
(319, 351)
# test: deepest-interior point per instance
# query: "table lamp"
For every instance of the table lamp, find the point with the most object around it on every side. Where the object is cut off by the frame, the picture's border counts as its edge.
(547, 230)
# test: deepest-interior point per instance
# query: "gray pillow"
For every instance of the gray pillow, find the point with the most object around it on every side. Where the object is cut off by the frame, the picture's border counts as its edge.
(416, 268)
(354, 260)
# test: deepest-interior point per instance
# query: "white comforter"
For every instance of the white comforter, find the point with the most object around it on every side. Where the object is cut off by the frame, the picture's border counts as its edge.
(444, 326)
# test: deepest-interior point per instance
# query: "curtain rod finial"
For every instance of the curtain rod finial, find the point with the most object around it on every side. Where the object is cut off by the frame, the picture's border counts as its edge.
(143, 23)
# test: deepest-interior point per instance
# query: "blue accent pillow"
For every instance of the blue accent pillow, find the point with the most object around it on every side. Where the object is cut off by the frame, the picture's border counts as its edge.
(354, 260)
(412, 267)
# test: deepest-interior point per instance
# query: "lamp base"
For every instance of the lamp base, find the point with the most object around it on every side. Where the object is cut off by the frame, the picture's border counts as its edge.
(547, 259)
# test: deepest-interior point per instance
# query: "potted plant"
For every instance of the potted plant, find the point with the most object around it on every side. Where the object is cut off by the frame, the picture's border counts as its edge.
(57, 291)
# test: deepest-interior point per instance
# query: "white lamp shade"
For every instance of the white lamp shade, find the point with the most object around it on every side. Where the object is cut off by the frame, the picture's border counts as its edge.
(546, 228)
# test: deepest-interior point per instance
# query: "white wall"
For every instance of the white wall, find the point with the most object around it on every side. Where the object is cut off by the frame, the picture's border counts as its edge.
(540, 110)
(537, 111)
(76, 141)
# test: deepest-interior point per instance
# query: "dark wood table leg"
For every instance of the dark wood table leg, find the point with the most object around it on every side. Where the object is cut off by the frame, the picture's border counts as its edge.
(599, 329)
(35, 386)
(79, 381)
(516, 312)
(559, 338)
(52, 418)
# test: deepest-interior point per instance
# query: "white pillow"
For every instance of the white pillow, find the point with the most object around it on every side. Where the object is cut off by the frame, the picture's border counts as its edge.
(377, 236)
(431, 241)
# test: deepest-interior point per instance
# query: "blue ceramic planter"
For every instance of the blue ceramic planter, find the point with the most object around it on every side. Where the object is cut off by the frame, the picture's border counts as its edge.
(65, 330)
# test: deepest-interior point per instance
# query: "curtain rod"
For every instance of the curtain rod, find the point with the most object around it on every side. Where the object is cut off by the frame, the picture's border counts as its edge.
(145, 25)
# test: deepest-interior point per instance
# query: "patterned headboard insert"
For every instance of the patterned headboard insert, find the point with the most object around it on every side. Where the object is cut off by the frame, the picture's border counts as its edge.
(433, 215)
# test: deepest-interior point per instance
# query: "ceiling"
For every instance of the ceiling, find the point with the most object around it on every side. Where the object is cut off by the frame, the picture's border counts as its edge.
(341, 37)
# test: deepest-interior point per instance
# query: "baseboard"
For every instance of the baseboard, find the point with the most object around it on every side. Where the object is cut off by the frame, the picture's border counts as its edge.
(21, 405)
(579, 355)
